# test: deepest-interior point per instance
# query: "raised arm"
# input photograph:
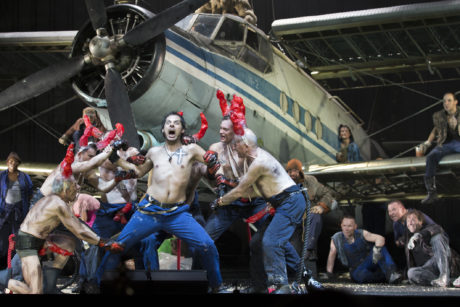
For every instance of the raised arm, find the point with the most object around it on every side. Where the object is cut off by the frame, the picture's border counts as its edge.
(84, 166)
(139, 170)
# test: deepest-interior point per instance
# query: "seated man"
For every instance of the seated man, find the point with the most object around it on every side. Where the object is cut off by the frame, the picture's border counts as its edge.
(397, 213)
(430, 259)
(363, 253)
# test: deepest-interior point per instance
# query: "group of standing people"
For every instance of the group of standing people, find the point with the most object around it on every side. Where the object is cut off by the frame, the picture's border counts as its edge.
(250, 184)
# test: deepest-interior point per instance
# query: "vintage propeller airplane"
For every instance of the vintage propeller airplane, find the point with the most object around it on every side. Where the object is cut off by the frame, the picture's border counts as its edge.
(134, 66)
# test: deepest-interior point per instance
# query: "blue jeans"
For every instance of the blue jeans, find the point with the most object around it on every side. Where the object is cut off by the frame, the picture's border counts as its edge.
(276, 237)
(221, 219)
(149, 249)
(367, 272)
(256, 264)
(179, 223)
(224, 217)
(435, 155)
(105, 227)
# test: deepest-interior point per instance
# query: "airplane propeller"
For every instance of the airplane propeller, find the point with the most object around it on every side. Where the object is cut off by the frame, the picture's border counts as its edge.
(97, 13)
(102, 51)
(160, 22)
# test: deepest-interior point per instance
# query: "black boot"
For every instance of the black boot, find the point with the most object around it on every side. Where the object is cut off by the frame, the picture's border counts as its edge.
(50, 276)
(430, 185)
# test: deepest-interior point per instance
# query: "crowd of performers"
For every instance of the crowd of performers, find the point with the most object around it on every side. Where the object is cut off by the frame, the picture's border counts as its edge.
(285, 205)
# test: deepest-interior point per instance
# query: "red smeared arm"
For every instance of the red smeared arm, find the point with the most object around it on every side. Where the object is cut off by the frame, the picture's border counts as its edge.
(204, 127)
(66, 164)
(222, 102)
(118, 132)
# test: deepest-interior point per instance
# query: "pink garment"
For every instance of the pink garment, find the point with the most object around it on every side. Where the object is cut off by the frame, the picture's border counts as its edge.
(89, 204)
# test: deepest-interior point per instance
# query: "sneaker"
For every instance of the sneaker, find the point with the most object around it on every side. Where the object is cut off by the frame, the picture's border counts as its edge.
(439, 282)
(219, 290)
(456, 282)
(313, 284)
(395, 278)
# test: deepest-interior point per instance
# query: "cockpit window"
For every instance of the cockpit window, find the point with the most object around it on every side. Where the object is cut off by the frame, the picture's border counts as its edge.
(205, 24)
(234, 38)
(184, 23)
(231, 30)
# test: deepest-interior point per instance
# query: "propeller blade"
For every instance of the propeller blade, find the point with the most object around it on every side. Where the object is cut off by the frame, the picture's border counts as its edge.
(119, 106)
(97, 13)
(40, 82)
(160, 22)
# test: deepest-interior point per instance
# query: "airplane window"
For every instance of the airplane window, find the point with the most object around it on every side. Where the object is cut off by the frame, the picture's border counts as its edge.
(296, 111)
(283, 102)
(259, 53)
(231, 30)
(255, 60)
(252, 40)
(265, 48)
(205, 24)
(319, 129)
(307, 118)
(184, 23)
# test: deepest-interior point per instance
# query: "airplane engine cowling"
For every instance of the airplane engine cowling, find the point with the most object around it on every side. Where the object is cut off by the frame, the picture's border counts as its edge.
(138, 66)
(147, 140)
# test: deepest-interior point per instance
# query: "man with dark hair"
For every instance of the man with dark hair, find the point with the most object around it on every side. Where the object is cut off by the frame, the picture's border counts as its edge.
(397, 213)
(16, 190)
(363, 253)
(164, 207)
(446, 133)
(430, 259)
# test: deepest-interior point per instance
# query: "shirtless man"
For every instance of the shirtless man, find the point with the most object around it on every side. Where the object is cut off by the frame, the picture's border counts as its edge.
(35, 234)
(278, 188)
(164, 207)
(84, 167)
(116, 206)
(232, 168)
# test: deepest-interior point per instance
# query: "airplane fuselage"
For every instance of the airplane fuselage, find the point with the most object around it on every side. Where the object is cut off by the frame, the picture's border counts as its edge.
(292, 115)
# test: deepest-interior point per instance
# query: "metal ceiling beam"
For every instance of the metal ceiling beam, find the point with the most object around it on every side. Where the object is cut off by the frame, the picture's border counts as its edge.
(420, 64)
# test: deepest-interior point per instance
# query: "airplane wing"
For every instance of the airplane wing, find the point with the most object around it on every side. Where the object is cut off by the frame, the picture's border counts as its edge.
(407, 44)
(382, 180)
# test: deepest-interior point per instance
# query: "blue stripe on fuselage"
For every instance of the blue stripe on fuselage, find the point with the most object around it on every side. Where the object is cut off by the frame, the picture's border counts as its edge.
(246, 76)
